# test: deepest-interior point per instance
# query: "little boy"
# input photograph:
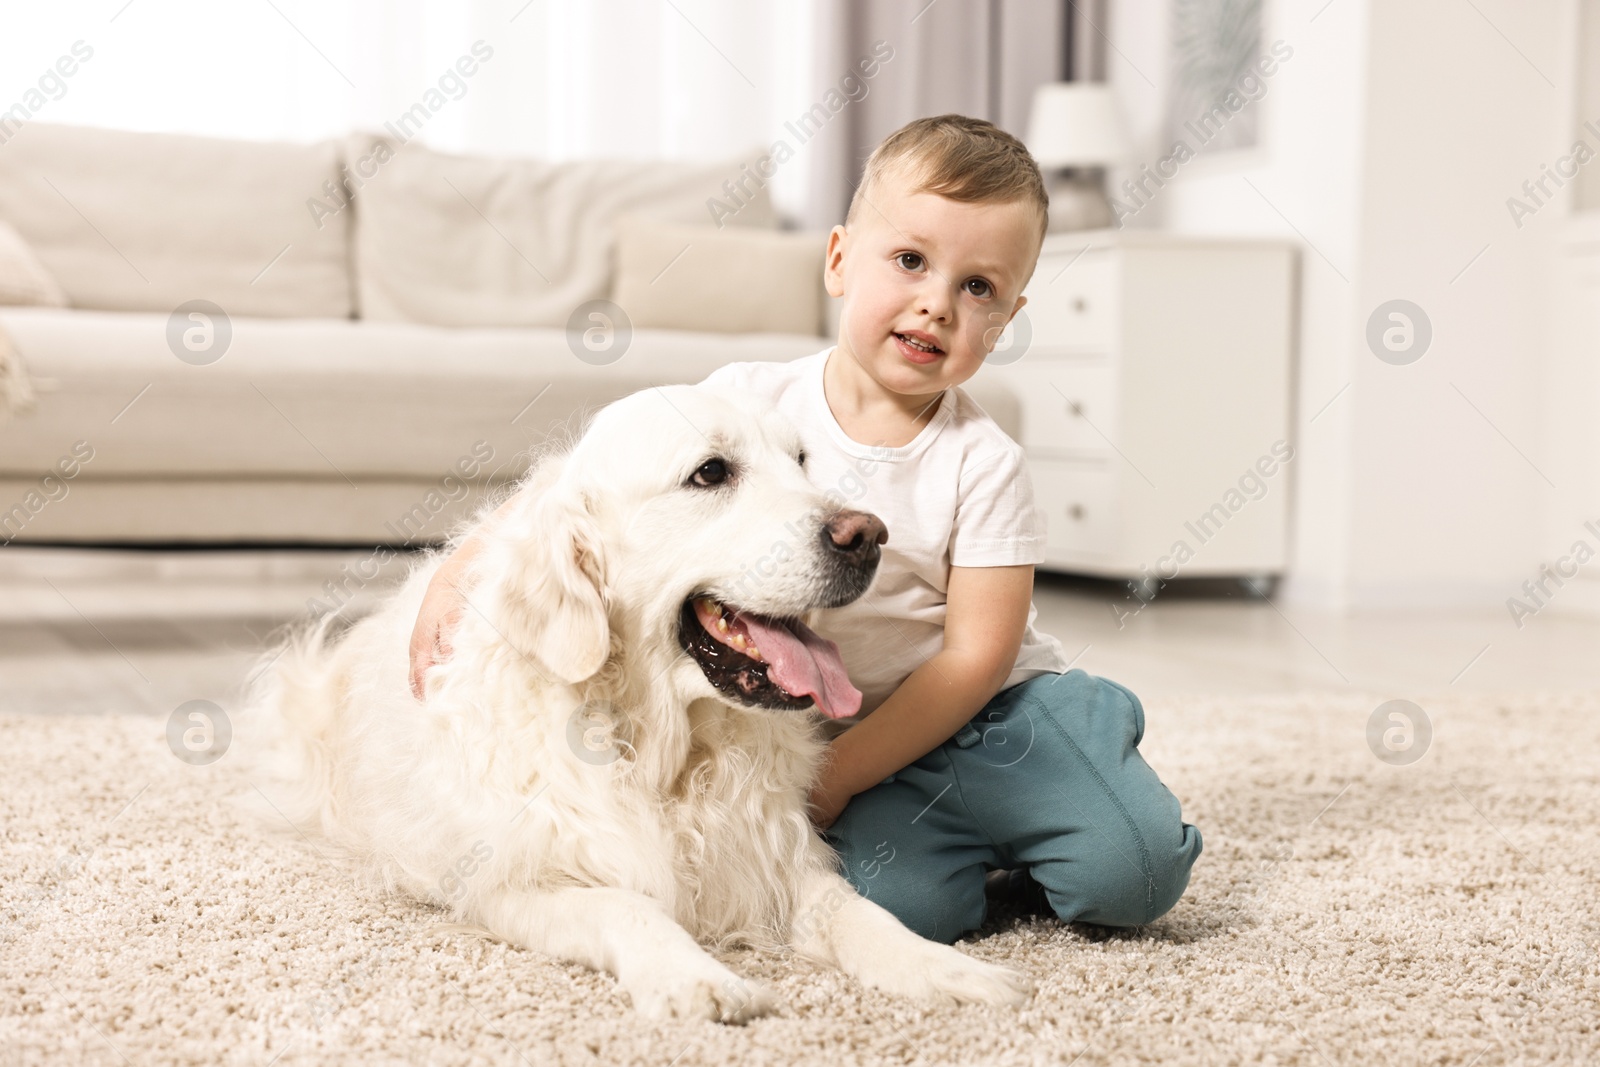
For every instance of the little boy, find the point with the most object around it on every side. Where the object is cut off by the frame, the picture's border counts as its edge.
(977, 747)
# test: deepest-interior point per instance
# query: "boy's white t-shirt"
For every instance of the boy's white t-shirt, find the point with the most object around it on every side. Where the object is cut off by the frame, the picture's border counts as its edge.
(958, 494)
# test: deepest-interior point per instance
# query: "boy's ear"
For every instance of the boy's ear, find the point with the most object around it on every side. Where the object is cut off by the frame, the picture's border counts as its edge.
(546, 578)
(833, 262)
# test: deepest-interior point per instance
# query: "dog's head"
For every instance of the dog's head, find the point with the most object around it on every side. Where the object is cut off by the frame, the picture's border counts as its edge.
(683, 524)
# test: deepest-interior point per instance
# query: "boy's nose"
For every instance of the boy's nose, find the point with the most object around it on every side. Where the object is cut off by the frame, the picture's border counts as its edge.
(934, 299)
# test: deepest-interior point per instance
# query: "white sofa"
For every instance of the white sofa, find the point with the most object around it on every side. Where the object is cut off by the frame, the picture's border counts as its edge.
(397, 330)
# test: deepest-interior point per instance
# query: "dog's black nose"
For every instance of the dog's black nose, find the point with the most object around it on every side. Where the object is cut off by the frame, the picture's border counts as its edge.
(856, 534)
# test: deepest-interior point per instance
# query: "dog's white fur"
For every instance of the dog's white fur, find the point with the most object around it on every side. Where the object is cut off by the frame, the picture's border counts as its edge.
(572, 782)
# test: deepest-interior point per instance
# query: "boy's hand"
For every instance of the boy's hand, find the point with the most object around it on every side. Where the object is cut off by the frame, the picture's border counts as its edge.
(441, 609)
(442, 604)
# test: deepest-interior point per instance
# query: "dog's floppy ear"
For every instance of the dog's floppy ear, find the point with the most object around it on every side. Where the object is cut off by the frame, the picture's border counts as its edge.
(549, 565)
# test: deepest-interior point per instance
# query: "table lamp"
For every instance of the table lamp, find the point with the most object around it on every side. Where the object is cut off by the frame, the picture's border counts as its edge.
(1074, 131)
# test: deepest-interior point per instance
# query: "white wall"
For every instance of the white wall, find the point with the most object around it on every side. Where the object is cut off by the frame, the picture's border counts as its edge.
(1448, 498)
(1390, 142)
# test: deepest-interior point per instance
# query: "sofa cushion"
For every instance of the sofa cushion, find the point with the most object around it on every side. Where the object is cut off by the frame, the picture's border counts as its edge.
(322, 398)
(146, 221)
(729, 280)
(469, 241)
(209, 510)
(23, 279)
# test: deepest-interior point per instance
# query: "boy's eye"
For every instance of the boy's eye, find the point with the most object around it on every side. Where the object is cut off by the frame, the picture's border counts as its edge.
(983, 288)
(909, 261)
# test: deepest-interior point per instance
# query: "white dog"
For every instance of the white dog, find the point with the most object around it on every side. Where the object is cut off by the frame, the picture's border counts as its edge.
(614, 761)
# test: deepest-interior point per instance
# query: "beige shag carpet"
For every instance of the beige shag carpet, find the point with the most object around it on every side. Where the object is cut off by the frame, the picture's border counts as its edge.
(1345, 911)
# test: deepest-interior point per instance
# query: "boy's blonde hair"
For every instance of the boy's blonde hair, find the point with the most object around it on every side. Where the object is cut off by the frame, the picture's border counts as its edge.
(959, 157)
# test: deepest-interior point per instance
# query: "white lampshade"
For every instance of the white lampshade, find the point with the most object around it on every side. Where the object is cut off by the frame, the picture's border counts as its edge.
(1076, 124)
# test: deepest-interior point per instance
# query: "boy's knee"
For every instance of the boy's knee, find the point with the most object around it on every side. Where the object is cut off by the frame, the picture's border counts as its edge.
(1134, 707)
(1170, 868)
(1133, 894)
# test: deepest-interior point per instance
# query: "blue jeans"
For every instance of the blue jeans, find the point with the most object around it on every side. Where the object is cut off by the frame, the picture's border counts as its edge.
(1047, 777)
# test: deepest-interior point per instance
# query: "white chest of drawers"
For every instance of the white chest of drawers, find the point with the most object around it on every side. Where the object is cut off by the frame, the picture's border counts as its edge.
(1154, 374)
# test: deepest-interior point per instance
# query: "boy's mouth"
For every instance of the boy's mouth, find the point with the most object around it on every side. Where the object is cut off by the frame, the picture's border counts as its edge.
(920, 342)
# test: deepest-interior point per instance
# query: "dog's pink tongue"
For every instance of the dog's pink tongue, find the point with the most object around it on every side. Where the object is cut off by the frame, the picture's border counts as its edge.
(804, 663)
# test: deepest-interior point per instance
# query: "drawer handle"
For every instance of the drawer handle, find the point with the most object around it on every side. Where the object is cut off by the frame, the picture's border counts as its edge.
(1080, 305)
(1076, 511)
(1075, 408)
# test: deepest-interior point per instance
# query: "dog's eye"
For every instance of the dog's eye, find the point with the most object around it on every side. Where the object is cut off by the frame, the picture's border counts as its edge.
(801, 458)
(711, 472)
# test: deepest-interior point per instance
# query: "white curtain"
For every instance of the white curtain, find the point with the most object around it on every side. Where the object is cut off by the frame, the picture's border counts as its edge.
(640, 79)
(982, 58)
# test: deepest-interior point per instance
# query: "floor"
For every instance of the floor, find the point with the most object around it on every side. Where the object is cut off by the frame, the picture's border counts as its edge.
(89, 631)
(1352, 905)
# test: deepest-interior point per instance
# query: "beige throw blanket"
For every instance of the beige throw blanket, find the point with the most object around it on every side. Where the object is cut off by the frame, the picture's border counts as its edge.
(16, 392)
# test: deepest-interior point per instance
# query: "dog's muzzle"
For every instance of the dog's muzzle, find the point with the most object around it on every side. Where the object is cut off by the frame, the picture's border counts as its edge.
(778, 661)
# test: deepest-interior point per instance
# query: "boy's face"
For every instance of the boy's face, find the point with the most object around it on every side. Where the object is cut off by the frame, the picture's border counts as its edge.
(916, 270)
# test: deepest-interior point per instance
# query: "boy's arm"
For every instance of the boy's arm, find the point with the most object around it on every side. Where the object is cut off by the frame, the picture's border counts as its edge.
(986, 612)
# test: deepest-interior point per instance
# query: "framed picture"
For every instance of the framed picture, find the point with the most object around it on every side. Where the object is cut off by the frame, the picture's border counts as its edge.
(1211, 73)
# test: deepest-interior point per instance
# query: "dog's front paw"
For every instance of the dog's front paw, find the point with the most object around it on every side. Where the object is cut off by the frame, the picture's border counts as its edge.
(707, 992)
(940, 974)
